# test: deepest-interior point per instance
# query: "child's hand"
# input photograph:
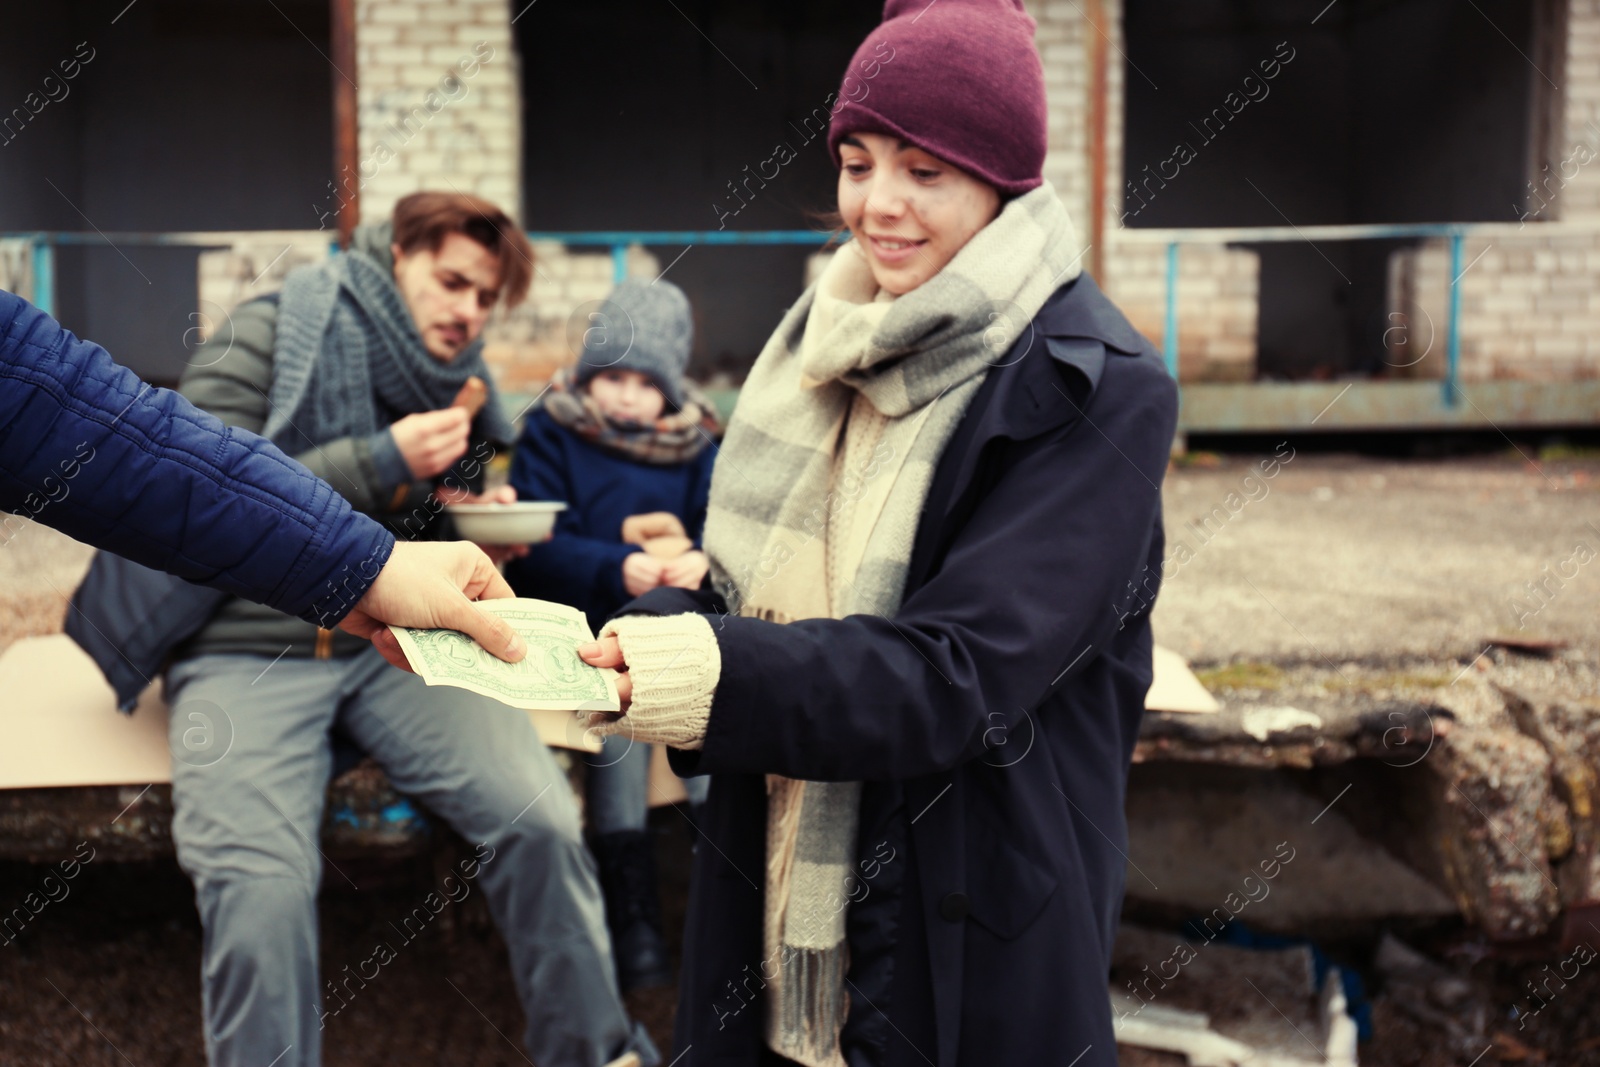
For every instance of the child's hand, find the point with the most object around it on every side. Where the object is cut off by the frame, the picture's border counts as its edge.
(687, 571)
(637, 529)
(641, 572)
(667, 546)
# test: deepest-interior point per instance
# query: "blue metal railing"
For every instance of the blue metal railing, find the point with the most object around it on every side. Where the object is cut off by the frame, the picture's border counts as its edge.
(1454, 232)
(618, 241)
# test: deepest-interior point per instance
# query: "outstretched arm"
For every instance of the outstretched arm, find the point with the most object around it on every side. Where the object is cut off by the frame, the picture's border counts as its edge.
(89, 449)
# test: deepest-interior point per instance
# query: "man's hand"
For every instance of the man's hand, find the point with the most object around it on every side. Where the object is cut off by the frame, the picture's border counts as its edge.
(687, 571)
(433, 584)
(607, 652)
(641, 572)
(431, 441)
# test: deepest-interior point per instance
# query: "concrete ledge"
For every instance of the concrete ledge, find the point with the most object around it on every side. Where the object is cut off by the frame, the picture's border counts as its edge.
(1265, 407)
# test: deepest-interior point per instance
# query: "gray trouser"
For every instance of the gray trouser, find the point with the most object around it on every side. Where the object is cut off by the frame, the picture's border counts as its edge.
(619, 784)
(251, 760)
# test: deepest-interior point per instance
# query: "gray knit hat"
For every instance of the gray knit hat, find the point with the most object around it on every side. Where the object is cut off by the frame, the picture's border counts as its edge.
(642, 327)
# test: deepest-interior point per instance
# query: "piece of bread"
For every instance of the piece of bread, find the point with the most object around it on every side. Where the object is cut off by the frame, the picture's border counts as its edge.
(637, 529)
(670, 546)
(474, 394)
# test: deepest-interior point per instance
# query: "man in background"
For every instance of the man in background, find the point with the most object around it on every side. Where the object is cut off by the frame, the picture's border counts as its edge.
(357, 369)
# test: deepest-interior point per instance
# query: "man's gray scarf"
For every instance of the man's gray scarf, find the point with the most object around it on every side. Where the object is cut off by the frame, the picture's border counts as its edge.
(349, 356)
(918, 359)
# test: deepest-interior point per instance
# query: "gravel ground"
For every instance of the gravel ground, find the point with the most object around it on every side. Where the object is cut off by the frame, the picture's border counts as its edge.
(1344, 558)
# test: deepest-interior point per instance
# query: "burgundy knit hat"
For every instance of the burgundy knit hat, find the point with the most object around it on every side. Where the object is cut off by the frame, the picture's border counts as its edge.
(958, 78)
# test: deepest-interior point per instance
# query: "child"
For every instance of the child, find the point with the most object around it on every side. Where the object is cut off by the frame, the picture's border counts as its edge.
(624, 440)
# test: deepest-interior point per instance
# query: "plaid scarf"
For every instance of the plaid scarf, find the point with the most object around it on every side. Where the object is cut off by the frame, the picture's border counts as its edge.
(347, 348)
(794, 533)
(675, 437)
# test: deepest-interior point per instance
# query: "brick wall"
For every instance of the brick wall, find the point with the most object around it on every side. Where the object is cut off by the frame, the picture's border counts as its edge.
(1570, 185)
(1530, 307)
(1218, 295)
(438, 101)
(1062, 37)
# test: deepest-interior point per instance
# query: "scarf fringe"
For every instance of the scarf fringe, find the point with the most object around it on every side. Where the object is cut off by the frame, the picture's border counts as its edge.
(807, 1025)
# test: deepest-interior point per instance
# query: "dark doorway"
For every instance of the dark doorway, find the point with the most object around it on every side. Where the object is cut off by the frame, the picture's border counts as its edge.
(189, 115)
(1388, 111)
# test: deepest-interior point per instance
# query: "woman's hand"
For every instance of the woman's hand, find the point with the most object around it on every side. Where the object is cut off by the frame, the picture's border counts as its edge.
(641, 572)
(687, 571)
(607, 652)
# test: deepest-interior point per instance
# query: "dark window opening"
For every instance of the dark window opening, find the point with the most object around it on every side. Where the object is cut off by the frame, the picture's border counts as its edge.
(1389, 111)
(641, 115)
(191, 115)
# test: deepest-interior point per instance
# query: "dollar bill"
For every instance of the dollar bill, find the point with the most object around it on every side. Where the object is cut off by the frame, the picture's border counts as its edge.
(550, 678)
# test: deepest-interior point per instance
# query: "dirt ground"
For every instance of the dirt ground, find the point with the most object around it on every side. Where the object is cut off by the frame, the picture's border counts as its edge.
(111, 973)
(1333, 559)
(1340, 557)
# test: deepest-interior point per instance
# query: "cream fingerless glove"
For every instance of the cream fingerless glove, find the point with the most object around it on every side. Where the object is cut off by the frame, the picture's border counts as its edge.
(675, 664)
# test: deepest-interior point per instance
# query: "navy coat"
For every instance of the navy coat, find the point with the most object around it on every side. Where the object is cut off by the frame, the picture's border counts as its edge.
(582, 564)
(992, 721)
(89, 449)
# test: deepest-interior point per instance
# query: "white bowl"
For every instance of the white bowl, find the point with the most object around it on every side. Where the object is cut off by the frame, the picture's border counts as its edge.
(523, 523)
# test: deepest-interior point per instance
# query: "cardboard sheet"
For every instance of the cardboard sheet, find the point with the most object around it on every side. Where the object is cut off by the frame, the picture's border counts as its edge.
(1175, 688)
(59, 724)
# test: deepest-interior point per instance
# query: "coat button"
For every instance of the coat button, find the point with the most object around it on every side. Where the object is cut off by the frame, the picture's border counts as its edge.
(954, 907)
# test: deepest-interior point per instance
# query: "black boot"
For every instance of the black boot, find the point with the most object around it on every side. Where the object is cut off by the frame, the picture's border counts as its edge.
(697, 813)
(633, 908)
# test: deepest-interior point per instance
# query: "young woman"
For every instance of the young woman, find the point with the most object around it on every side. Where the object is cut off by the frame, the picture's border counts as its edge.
(914, 679)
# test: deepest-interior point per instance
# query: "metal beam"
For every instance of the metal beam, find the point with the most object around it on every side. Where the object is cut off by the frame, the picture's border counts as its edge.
(346, 141)
(1267, 407)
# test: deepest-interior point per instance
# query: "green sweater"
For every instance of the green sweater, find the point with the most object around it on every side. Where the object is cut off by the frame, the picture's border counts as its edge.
(368, 471)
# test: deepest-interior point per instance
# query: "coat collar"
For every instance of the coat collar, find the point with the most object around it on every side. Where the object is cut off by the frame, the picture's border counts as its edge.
(1046, 381)
(1076, 330)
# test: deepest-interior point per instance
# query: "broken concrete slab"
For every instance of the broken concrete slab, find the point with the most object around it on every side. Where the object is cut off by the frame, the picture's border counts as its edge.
(1482, 782)
(1486, 824)
(1567, 727)
(1221, 842)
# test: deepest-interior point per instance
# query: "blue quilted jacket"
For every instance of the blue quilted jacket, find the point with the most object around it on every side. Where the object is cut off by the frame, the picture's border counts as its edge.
(89, 449)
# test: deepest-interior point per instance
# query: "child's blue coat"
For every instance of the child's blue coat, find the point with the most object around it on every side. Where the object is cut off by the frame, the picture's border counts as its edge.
(582, 564)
